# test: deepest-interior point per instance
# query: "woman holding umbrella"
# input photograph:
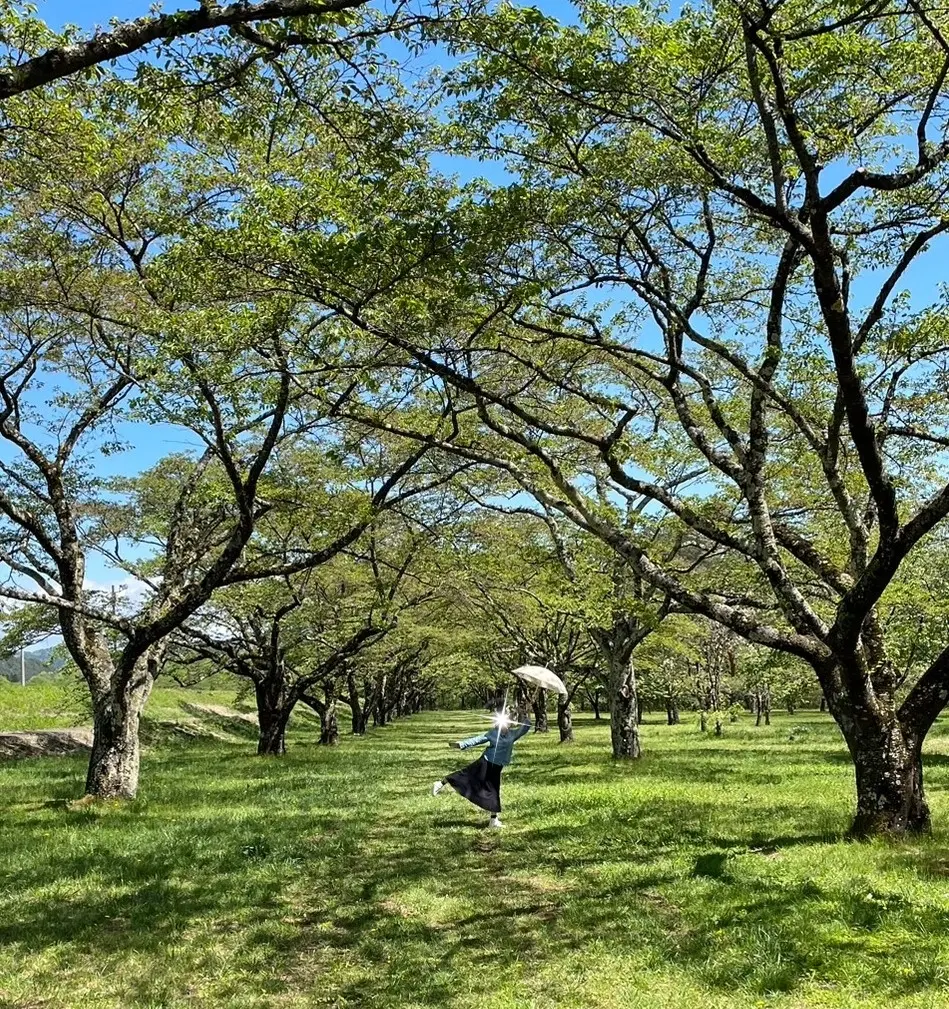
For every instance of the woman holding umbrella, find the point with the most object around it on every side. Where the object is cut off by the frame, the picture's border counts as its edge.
(480, 782)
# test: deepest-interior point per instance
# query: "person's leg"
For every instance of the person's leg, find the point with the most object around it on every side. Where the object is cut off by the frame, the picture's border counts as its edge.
(495, 821)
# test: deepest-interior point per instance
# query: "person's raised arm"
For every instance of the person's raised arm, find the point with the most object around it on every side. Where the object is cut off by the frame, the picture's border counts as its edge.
(466, 744)
(523, 728)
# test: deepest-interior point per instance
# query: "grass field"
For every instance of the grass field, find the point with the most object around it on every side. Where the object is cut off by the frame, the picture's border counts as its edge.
(43, 705)
(708, 874)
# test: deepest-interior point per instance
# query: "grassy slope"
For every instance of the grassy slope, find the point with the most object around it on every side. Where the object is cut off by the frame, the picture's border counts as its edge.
(62, 704)
(707, 874)
(41, 705)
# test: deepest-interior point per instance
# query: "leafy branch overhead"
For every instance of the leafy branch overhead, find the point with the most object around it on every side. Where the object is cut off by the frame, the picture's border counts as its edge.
(35, 56)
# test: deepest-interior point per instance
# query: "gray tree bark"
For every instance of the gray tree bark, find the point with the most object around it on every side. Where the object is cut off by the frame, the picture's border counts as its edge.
(329, 722)
(624, 709)
(539, 705)
(116, 750)
(564, 721)
(887, 761)
(889, 780)
(273, 713)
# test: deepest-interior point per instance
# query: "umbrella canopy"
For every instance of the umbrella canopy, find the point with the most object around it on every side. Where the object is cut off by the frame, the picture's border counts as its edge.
(541, 676)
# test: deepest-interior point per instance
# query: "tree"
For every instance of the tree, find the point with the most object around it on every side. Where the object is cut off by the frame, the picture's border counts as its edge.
(397, 681)
(291, 637)
(664, 662)
(630, 619)
(744, 341)
(48, 493)
(319, 587)
(815, 205)
(715, 671)
(106, 311)
(782, 154)
(592, 591)
(35, 56)
(512, 583)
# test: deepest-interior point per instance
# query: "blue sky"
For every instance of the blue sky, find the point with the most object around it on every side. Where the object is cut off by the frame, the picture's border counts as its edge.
(87, 13)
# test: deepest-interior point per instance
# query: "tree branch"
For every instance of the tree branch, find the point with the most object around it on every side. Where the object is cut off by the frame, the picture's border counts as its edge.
(130, 36)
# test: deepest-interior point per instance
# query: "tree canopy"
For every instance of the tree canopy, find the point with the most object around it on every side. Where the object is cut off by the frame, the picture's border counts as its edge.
(652, 294)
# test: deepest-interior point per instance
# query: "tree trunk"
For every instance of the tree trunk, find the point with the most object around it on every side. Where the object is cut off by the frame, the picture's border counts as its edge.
(329, 723)
(116, 750)
(359, 714)
(272, 741)
(703, 721)
(521, 704)
(763, 703)
(381, 716)
(886, 752)
(360, 721)
(564, 721)
(624, 709)
(672, 710)
(273, 713)
(595, 702)
(718, 727)
(889, 780)
(540, 712)
(823, 704)
(639, 710)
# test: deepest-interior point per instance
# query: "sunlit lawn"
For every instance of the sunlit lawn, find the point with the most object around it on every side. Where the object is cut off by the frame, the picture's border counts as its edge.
(708, 874)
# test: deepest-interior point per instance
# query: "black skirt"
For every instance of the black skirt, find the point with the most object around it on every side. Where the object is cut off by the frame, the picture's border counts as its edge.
(479, 783)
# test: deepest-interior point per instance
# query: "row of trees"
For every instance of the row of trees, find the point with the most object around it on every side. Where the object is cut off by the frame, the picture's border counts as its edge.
(674, 333)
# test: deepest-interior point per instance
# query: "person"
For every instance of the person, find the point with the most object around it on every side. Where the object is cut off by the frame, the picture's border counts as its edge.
(480, 782)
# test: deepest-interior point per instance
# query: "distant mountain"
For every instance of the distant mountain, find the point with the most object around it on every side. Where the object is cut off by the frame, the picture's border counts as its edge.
(39, 660)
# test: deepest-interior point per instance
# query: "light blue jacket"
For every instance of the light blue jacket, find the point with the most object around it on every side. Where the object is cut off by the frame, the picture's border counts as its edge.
(500, 748)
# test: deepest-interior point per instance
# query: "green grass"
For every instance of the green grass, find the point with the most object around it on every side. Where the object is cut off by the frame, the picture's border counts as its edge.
(62, 703)
(708, 874)
(42, 704)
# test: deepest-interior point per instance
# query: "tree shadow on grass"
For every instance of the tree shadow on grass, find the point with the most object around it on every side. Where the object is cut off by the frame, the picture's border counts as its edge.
(514, 930)
(116, 904)
(774, 945)
(314, 865)
(734, 935)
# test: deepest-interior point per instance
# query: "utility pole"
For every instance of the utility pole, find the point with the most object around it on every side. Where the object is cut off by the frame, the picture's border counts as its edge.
(22, 668)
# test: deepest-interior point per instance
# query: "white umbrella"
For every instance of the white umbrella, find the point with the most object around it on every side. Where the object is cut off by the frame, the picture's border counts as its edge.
(541, 676)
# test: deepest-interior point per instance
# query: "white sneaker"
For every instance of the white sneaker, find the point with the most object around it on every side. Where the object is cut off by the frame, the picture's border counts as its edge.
(494, 823)
(437, 787)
